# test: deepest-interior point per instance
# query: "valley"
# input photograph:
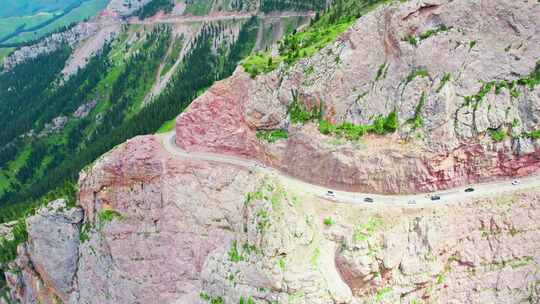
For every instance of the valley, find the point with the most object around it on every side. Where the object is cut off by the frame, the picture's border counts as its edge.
(36, 156)
(275, 152)
(18, 29)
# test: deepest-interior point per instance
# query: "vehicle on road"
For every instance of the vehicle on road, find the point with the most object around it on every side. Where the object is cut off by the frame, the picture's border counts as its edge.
(411, 202)
(330, 193)
(368, 200)
(515, 182)
(469, 190)
(435, 197)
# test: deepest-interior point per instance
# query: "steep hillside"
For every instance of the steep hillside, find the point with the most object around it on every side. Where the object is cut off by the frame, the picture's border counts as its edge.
(376, 97)
(412, 98)
(78, 93)
(203, 7)
(161, 229)
(94, 31)
(24, 21)
(106, 80)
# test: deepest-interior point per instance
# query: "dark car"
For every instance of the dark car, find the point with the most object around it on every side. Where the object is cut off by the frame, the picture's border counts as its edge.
(469, 190)
(435, 197)
(368, 200)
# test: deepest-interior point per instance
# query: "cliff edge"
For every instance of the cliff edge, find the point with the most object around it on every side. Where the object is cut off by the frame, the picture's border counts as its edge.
(461, 77)
(416, 96)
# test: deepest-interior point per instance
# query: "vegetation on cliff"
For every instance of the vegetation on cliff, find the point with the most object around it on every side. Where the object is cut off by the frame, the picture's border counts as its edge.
(323, 30)
(381, 125)
(8, 248)
(300, 114)
(304, 5)
(35, 158)
(154, 6)
(272, 136)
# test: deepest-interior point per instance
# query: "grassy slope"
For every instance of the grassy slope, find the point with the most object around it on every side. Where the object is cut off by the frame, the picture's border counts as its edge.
(173, 56)
(8, 175)
(9, 24)
(199, 7)
(166, 127)
(309, 41)
(5, 52)
(11, 8)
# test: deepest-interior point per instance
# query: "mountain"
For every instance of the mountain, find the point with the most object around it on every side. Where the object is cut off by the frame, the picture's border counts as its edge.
(108, 79)
(388, 152)
(456, 100)
(24, 21)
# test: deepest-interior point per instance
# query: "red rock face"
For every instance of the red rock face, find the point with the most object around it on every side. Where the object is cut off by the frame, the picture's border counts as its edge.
(174, 212)
(180, 218)
(215, 121)
(142, 163)
(371, 71)
(473, 164)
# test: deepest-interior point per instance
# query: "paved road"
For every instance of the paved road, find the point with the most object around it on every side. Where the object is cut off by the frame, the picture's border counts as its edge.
(218, 17)
(483, 190)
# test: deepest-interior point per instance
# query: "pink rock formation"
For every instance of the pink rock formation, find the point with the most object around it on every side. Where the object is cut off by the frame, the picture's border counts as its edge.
(223, 105)
(453, 144)
(160, 228)
(172, 214)
(185, 228)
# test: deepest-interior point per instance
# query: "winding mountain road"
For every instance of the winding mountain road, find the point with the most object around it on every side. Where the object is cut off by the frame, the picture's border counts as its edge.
(483, 190)
(217, 17)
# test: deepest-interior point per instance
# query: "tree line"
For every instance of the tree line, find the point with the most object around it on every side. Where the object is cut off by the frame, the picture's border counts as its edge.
(199, 69)
(289, 5)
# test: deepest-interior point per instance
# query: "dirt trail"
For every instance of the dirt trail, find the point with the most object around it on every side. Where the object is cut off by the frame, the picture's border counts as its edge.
(216, 17)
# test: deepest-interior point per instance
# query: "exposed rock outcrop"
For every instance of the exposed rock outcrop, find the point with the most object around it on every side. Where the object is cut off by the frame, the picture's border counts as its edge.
(153, 227)
(160, 229)
(125, 7)
(46, 266)
(85, 109)
(434, 64)
(5, 230)
(74, 35)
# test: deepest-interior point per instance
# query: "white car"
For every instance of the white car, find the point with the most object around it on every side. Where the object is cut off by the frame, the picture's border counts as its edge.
(515, 182)
(330, 193)
(411, 202)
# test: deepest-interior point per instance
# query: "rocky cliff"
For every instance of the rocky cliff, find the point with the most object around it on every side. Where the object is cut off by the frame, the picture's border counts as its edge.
(71, 37)
(159, 229)
(461, 76)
